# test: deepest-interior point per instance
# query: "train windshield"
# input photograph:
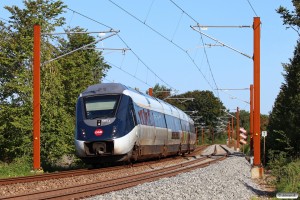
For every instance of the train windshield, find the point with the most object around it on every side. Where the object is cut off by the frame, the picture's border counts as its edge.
(101, 106)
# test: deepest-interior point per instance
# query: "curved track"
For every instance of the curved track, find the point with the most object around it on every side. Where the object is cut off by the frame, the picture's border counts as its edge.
(96, 188)
(79, 172)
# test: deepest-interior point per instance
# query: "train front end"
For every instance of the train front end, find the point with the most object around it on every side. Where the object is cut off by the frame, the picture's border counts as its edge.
(104, 124)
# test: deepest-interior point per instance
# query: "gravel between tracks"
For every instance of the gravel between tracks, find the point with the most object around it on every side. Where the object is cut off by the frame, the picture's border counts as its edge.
(228, 179)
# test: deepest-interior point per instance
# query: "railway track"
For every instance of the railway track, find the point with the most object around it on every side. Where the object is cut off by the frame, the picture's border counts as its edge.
(96, 188)
(79, 172)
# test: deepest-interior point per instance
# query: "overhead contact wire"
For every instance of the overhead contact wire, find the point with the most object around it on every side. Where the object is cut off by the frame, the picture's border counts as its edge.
(252, 8)
(128, 73)
(126, 46)
(157, 32)
(146, 65)
(202, 43)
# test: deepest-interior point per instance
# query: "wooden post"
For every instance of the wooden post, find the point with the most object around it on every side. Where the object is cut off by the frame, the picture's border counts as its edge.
(251, 120)
(36, 97)
(213, 137)
(202, 135)
(237, 131)
(228, 133)
(232, 130)
(197, 136)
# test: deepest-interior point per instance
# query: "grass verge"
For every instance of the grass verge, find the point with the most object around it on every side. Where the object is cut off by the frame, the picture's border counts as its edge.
(19, 167)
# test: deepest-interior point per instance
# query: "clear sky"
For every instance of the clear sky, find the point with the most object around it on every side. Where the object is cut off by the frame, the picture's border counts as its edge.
(166, 50)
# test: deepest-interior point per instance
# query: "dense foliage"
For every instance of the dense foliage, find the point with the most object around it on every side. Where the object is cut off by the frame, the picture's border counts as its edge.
(284, 126)
(61, 81)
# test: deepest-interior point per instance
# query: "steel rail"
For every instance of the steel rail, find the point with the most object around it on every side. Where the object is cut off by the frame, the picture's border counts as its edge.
(79, 172)
(96, 188)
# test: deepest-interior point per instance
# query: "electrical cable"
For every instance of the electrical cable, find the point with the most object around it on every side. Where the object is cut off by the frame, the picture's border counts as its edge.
(89, 18)
(205, 52)
(113, 65)
(145, 64)
(125, 44)
(149, 11)
(177, 26)
(160, 34)
(252, 8)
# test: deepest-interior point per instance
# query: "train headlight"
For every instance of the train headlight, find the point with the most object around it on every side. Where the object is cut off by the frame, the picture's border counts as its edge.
(98, 132)
(114, 130)
(83, 133)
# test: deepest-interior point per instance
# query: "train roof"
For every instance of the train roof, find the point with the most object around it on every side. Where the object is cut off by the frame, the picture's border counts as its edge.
(141, 99)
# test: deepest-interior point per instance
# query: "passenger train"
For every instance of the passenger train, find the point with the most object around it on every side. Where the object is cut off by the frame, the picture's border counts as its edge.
(117, 123)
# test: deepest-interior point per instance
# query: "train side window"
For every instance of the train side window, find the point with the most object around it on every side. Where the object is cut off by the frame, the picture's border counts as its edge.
(144, 116)
(170, 122)
(184, 125)
(136, 109)
(192, 128)
(177, 124)
(159, 119)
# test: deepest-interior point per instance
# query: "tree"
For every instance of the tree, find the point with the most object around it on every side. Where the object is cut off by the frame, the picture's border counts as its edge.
(81, 68)
(16, 72)
(61, 81)
(284, 124)
(284, 127)
(291, 18)
(209, 108)
(161, 91)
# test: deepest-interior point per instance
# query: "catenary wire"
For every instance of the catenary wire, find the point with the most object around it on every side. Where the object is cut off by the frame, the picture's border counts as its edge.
(160, 34)
(128, 73)
(96, 21)
(205, 52)
(145, 64)
(177, 26)
(252, 7)
(149, 10)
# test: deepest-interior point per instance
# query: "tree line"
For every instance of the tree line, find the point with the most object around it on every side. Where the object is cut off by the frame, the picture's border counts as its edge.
(61, 80)
(284, 120)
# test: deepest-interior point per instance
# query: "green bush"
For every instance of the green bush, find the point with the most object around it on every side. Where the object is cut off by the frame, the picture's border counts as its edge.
(286, 171)
(289, 181)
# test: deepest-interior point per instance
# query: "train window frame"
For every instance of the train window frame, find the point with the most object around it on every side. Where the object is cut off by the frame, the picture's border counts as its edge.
(159, 119)
(171, 125)
(145, 116)
(114, 110)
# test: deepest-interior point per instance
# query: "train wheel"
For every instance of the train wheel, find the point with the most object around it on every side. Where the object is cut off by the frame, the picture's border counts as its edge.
(165, 151)
(135, 153)
(179, 150)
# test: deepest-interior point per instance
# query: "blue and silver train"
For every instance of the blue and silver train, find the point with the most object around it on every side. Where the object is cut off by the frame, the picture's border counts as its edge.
(118, 123)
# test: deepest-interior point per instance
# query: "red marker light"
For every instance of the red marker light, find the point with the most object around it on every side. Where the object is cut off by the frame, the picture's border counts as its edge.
(98, 132)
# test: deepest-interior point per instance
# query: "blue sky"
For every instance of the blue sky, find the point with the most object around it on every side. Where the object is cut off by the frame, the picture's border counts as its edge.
(162, 41)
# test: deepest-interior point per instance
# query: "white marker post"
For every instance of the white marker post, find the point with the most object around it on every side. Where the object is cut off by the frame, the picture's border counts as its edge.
(264, 134)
